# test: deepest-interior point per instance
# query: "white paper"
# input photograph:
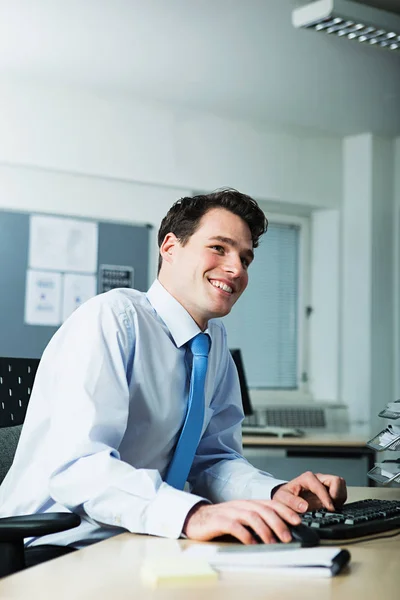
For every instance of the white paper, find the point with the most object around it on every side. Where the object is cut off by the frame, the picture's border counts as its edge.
(311, 561)
(43, 298)
(394, 406)
(389, 435)
(76, 290)
(62, 244)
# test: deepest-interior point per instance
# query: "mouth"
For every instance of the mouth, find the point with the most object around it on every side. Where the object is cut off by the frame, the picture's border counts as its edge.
(221, 285)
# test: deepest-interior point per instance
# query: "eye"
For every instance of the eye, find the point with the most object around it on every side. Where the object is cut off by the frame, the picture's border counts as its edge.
(218, 248)
(245, 262)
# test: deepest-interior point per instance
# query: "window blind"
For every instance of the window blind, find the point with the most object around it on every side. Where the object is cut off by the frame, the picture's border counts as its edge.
(264, 321)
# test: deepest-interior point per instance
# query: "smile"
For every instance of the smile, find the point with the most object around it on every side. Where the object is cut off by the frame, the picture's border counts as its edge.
(222, 286)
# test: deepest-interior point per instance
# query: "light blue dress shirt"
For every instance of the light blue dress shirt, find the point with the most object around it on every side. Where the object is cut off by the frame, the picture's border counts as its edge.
(105, 414)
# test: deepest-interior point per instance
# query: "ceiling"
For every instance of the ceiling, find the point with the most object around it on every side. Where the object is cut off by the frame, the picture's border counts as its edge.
(238, 58)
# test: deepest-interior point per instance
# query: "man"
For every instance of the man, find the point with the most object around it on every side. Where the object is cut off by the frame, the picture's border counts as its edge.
(111, 393)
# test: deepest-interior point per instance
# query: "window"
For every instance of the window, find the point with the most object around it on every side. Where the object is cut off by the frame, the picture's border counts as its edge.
(267, 322)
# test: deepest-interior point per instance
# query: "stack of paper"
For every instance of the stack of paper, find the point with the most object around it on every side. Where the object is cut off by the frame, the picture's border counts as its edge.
(319, 561)
(389, 468)
(389, 436)
(391, 411)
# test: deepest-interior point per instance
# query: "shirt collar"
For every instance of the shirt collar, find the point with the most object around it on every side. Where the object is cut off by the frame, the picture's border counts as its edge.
(180, 324)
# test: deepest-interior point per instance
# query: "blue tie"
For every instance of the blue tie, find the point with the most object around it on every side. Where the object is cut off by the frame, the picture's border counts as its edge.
(186, 447)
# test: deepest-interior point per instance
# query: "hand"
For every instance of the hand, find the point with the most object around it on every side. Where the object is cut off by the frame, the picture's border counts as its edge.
(265, 517)
(312, 491)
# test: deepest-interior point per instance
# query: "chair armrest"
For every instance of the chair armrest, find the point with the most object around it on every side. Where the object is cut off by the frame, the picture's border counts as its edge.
(14, 528)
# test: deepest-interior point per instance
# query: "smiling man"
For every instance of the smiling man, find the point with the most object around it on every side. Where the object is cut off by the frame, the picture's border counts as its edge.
(208, 273)
(109, 404)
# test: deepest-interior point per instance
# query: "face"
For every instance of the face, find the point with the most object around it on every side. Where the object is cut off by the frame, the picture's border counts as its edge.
(208, 274)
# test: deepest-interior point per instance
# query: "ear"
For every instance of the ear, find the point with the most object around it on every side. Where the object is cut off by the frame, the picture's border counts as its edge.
(168, 247)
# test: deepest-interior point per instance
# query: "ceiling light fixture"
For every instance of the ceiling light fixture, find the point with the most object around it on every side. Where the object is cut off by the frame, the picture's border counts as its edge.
(351, 20)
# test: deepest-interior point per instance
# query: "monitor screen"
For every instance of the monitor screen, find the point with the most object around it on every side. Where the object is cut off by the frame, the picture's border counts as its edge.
(237, 359)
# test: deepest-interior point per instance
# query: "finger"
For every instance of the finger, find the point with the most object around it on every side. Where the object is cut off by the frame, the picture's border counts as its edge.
(337, 487)
(342, 497)
(240, 519)
(295, 503)
(314, 503)
(311, 483)
(268, 526)
(243, 533)
(285, 512)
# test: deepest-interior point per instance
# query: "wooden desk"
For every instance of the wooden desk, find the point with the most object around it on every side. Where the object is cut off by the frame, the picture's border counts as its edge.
(110, 571)
(344, 454)
(323, 440)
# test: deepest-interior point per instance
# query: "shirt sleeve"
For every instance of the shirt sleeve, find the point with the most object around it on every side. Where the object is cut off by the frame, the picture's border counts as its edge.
(220, 472)
(85, 373)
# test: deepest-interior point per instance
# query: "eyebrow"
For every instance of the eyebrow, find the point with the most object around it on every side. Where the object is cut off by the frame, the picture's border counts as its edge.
(234, 244)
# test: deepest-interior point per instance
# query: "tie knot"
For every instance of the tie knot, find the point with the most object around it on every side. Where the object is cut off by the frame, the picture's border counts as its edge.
(200, 344)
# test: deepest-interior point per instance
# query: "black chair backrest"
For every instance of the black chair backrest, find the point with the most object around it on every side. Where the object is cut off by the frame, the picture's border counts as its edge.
(16, 380)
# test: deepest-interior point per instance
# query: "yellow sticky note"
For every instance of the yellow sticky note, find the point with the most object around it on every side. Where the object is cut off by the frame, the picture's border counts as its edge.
(176, 570)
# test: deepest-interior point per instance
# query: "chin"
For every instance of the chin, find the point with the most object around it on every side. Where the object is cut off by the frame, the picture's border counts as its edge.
(218, 314)
(217, 310)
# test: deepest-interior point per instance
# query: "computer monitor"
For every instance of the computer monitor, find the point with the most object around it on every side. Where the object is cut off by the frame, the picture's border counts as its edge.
(237, 359)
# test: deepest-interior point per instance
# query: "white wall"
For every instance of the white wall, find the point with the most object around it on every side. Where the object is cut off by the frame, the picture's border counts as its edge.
(136, 159)
(396, 264)
(325, 301)
(367, 290)
(83, 132)
(382, 304)
(355, 324)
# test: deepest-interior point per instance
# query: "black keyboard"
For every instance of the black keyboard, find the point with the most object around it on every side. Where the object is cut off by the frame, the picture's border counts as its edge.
(355, 519)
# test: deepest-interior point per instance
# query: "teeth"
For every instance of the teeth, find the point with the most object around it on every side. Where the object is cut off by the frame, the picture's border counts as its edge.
(223, 286)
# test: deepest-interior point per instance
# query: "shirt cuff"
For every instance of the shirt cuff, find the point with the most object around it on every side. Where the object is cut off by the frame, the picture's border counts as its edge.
(263, 487)
(166, 514)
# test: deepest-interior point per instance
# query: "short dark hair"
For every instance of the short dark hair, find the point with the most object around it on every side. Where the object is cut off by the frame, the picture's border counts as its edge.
(183, 218)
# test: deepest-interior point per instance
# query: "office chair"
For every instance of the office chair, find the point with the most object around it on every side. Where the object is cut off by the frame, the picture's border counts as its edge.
(16, 380)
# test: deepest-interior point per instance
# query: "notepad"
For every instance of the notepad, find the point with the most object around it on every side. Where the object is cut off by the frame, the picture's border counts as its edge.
(177, 570)
(319, 561)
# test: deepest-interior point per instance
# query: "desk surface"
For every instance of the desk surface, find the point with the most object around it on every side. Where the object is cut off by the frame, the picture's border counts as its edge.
(110, 570)
(345, 440)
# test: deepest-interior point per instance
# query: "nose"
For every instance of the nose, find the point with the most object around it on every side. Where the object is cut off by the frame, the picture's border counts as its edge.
(235, 266)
